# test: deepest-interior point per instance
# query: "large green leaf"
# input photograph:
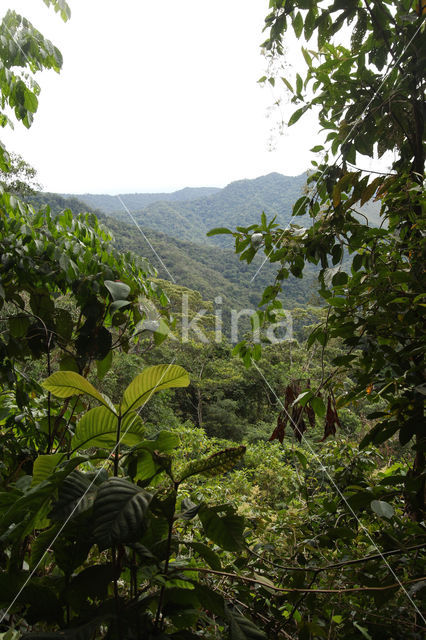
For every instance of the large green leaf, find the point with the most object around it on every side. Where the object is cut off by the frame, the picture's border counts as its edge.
(120, 512)
(118, 290)
(77, 494)
(148, 462)
(382, 509)
(210, 556)
(218, 230)
(241, 628)
(98, 428)
(160, 376)
(213, 465)
(41, 543)
(28, 510)
(225, 530)
(65, 384)
(45, 465)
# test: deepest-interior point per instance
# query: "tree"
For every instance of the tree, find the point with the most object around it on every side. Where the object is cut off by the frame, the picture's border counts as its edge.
(23, 52)
(67, 298)
(21, 177)
(370, 97)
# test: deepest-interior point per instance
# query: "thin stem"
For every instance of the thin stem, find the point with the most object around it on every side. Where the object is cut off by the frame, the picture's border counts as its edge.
(49, 408)
(114, 548)
(337, 565)
(117, 446)
(159, 621)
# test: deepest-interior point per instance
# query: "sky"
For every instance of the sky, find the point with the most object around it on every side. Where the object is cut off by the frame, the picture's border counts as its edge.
(157, 96)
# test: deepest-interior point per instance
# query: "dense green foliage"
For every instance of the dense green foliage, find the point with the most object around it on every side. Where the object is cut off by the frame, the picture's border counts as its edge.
(20, 178)
(213, 271)
(371, 96)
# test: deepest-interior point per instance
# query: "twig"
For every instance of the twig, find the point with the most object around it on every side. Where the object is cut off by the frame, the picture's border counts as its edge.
(235, 576)
(336, 565)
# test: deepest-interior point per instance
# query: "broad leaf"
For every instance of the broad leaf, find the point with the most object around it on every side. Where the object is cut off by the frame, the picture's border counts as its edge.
(76, 494)
(103, 366)
(118, 290)
(241, 628)
(153, 379)
(318, 406)
(65, 384)
(382, 509)
(41, 543)
(217, 231)
(207, 554)
(45, 465)
(297, 114)
(148, 460)
(98, 428)
(225, 530)
(119, 512)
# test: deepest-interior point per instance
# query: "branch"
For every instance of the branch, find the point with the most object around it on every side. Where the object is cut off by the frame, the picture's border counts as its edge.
(234, 576)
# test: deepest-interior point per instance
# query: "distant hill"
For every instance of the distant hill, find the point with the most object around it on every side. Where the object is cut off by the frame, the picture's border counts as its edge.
(188, 214)
(213, 271)
(136, 201)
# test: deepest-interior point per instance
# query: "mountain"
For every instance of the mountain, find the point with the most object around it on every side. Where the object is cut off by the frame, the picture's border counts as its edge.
(136, 201)
(185, 215)
(172, 235)
(212, 270)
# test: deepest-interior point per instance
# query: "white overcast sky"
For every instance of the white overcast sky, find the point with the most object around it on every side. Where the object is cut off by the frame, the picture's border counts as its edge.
(156, 96)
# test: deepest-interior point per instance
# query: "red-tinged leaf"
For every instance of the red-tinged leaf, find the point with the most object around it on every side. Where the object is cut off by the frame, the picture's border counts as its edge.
(278, 433)
(311, 415)
(337, 195)
(291, 393)
(331, 418)
(370, 190)
(297, 423)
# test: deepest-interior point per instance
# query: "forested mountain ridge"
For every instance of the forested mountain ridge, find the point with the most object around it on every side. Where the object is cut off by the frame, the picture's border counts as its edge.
(172, 235)
(184, 216)
(213, 271)
(135, 201)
